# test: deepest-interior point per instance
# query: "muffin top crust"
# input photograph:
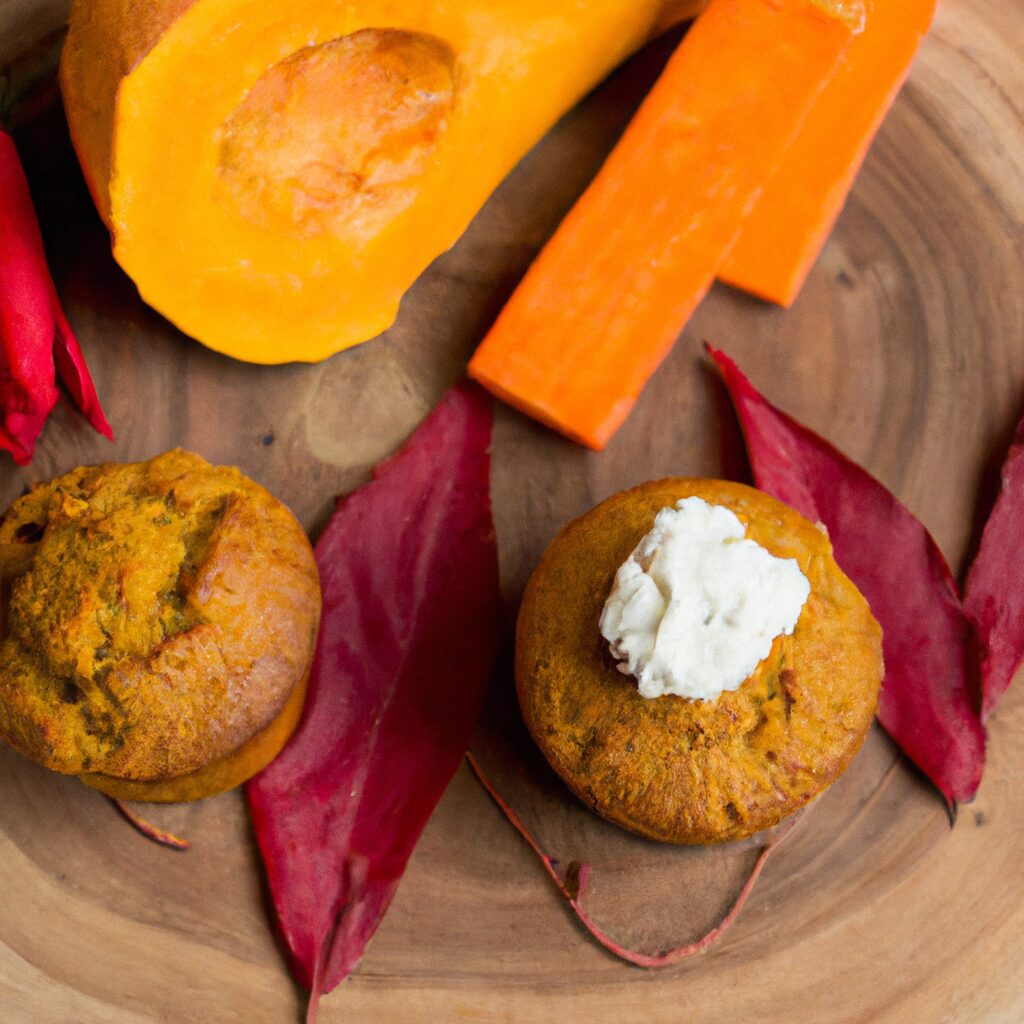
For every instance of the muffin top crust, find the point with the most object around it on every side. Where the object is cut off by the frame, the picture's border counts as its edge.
(155, 616)
(685, 770)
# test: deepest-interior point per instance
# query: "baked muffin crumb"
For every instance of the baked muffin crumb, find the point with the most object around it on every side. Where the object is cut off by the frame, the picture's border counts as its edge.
(678, 769)
(156, 616)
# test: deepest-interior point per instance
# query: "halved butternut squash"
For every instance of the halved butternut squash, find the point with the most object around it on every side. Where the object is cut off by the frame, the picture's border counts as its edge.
(275, 176)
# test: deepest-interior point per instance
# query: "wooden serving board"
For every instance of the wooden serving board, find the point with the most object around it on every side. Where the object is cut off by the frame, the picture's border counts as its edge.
(906, 349)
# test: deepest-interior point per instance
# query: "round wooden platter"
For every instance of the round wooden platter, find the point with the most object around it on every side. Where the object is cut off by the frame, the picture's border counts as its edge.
(906, 349)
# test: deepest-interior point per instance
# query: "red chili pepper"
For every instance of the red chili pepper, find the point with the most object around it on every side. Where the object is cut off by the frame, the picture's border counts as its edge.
(409, 572)
(36, 342)
(929, 697)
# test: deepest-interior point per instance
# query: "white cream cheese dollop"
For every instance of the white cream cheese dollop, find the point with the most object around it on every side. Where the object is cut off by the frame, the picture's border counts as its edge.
(697, 605)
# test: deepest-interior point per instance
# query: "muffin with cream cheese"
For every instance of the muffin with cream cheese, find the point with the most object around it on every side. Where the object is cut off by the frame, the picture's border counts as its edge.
(692, 661)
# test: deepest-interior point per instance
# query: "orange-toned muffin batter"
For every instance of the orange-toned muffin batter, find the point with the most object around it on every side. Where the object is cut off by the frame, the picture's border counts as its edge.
(158, 625)
(673, 768)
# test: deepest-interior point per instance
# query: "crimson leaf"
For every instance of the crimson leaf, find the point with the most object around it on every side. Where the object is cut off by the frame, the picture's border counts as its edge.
(408, 567)
(36, 341)
(994, 594)
(928, 699)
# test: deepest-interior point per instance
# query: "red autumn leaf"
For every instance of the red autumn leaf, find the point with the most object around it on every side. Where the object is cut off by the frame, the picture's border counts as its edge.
(408, 566)
(74, 374)
(994, 594)
(36, 342)
(928, 699)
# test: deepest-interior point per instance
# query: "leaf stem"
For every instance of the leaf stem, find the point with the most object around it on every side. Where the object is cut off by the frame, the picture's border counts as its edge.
(148, 829)
(575, 900)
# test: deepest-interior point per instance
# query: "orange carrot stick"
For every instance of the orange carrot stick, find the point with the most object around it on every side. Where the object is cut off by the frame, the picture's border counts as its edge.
(785, 231)
(605, 299)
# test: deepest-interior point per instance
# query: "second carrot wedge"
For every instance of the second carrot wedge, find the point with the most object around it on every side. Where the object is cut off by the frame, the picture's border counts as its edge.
(605, 299)
(785, 231)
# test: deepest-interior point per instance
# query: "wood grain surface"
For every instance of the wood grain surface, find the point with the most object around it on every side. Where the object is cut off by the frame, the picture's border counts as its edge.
(906, 349)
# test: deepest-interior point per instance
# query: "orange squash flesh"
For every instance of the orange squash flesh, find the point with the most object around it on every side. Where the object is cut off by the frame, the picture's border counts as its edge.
(275, 176)
(606, 298)
(785, 231)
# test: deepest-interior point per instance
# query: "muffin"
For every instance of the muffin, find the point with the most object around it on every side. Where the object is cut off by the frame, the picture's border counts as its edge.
(158, 622)
(695, 769)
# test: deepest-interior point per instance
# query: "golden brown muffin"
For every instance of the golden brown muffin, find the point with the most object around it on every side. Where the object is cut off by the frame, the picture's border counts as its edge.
(682, 770)
(158, 626)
